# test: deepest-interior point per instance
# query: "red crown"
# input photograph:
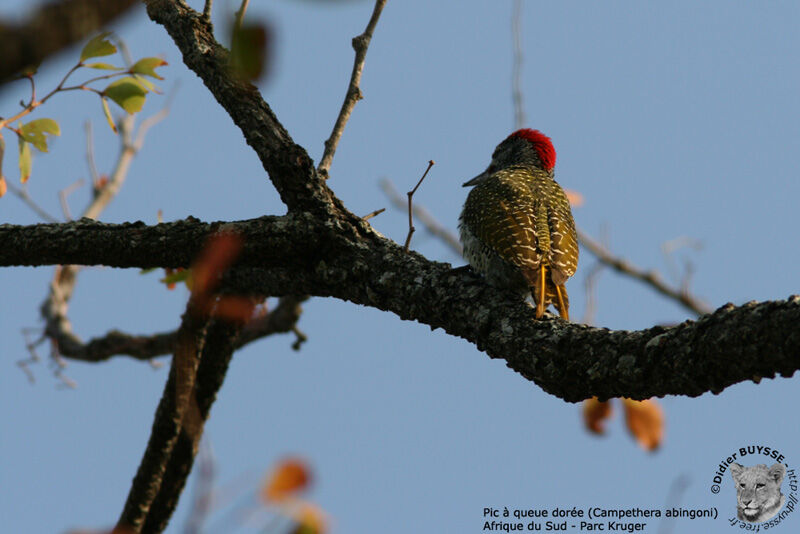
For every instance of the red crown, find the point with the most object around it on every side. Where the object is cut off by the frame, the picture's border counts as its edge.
(541, 143)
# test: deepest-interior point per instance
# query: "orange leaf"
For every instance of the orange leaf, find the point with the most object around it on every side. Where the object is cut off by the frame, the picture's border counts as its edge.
(218, 254)
(289, 476)
(595, 413)
(3, 186)
(575, 198)
(645, 420)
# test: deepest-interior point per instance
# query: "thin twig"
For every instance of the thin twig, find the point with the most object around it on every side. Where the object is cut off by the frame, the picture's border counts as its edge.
(237, 25)
(590, 287)
(94, 175)
(64, 193)
(353, 95)
(410, 195)
(651, 278)
(207, 10)
(373, 214)
(23, 195)
(428, 221)
(516, 69)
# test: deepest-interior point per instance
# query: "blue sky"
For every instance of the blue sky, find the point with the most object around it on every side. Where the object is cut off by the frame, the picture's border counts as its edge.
(673, 120)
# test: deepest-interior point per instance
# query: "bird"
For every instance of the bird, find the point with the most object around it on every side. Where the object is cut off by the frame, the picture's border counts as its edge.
(516, 227)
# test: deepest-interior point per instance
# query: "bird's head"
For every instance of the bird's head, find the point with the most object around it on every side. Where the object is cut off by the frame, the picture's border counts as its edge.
(524, 147)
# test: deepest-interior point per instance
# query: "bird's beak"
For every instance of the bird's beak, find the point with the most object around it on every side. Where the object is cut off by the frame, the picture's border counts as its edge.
(478, 179)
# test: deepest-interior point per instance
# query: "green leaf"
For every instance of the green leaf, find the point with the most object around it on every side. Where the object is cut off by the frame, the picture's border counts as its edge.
(148, 270)
(128, 93)
(107, 113)
(146, 66)
(34, 132)
(177, 276)
(24, 160)
(98, 46)
(104, 66)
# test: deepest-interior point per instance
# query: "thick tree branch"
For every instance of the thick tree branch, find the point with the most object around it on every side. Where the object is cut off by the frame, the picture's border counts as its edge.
(199, 365)
(51, 28)
(298, 254)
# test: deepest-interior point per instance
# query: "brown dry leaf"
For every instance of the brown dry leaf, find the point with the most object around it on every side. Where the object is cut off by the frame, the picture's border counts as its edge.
(575, 198)
(289, 476)
(595, 413)
(645, 420)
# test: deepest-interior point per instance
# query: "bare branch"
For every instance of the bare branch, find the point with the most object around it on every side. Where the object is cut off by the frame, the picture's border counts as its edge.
(64, 193)
(428, 221)
(410, 195)
(353, 95)
(93, 174)
(239, 16)
(199, 365)
(370, 215)
(651, 278)
(516, 72)
(23, 195)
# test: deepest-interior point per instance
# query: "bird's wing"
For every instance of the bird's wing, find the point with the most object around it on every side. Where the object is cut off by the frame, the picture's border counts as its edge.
(563, 256)
(502, 216)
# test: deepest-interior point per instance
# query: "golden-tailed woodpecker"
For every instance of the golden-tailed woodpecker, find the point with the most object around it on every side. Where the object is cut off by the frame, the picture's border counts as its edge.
(516, 226)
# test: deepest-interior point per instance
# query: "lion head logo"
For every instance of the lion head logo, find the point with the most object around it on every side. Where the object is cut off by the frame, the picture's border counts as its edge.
(758, 491)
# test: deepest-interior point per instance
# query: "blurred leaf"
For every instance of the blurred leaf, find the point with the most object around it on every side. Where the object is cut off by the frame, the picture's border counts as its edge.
(104, 66)
(2, 153)
(595, 414)
(289, 476)
(107, 113)
(34, 132)
(645, 421)
(98, 46)
(235, 308)
(146, 84)
(3, 186)
(250, 49)
(173, 277)
(147, 65)
(24, 160)
(310, 519)
(217, 255)
(575, 198)
(127, 93)
(30, 70)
